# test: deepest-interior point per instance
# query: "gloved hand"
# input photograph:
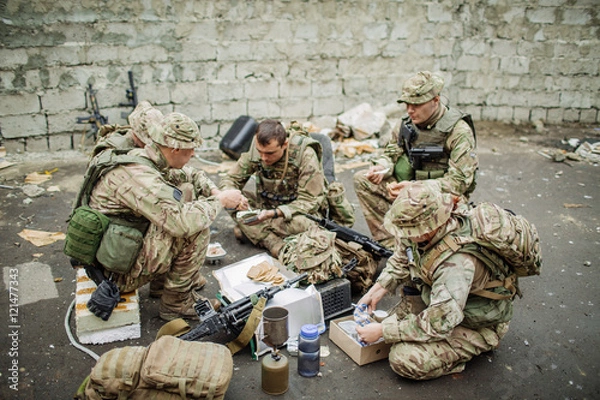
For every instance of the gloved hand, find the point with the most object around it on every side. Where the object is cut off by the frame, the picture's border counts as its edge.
(104, 300)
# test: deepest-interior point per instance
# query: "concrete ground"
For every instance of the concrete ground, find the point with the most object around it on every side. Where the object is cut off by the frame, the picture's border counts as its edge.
(550, 352)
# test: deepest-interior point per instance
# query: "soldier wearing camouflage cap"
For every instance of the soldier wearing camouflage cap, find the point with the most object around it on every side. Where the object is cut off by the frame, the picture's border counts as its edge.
(432, 142)
(459, 317)
(144, 186)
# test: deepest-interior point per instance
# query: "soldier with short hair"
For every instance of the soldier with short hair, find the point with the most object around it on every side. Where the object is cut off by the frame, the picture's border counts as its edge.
(176, 230)
(451, 310)
(290, 182)
(433, 142)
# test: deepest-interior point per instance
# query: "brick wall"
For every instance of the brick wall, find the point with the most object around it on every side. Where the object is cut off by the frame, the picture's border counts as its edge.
(506, 60)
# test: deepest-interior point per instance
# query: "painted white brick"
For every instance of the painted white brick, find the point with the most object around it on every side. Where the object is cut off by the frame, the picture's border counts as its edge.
(576, 16)
(22, 103)
(23, 126)
(541, 15)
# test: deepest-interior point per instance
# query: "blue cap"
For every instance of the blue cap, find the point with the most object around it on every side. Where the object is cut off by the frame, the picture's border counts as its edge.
(309, 331)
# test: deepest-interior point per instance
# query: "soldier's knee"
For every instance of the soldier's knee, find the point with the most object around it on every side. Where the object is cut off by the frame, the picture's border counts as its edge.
(409, 362)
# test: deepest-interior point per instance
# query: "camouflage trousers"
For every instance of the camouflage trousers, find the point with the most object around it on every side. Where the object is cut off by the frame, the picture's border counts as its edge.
(178, 259)
(375, 203)
(430, 360)
(270, 233)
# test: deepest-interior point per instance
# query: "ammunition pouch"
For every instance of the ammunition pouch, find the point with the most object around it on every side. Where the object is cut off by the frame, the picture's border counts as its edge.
(121, 244)
(403, 170)
(84, 234)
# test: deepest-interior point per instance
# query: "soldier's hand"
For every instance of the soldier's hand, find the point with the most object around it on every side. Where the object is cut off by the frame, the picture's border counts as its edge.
(376, 173)
(232, 199)
(394, 188)
(370, 333)
(104, 300)
(392, 150)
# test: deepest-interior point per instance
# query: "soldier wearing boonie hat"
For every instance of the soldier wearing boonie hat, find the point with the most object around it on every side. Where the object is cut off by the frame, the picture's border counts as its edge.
(419, 209)
(432, 142)
(141, 118)
(149, 185)
(455, 321)
(176, 131)
(421, 88)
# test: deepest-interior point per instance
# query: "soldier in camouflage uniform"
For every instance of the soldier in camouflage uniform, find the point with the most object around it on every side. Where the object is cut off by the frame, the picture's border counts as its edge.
(429, 124)
(177, 237)
(289, 182)
(129, 136)
(454, 324)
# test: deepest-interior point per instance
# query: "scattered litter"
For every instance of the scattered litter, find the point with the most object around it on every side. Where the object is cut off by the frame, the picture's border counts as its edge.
(35, 178)
(27, 201)
(53, 189)
(33, 190)
(41, 238)
(526, 342)
(587, 264)
(37, 255)
(571, 205)
(58, 279)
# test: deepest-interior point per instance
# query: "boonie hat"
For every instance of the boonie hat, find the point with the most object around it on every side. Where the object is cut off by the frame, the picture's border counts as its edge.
(141, 118)
(421, 88)
(176, 131)
(420, 208)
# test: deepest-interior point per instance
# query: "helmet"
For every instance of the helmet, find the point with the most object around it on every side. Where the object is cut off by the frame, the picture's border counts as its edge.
(420, 208)
(176, 131)
(421, 88)
(141, 118)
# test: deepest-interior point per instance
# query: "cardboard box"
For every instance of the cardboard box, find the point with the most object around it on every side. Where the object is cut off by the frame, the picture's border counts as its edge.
(360, 354)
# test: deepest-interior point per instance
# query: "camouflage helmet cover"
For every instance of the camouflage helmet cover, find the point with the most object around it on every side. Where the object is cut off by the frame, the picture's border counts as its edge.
(141, 118)
(176, 131)
(421, 88)
(420, 208)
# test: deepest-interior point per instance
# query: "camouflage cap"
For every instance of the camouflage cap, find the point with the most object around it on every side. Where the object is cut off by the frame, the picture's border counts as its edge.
(419, 208)
(141, 118)
(176, 131)
(421, 88)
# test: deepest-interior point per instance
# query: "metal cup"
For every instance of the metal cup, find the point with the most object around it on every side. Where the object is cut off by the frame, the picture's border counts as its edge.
(275, 326)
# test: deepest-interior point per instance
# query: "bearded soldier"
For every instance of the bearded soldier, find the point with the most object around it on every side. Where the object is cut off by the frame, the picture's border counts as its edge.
(433, 142)
(456, 304)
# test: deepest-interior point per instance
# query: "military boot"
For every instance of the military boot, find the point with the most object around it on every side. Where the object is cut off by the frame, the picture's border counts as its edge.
(175, 305)
(240, 236)
(411, 303)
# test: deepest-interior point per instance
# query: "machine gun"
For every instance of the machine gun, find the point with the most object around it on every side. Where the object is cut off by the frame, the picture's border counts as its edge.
(131, 94)
(350, 235)
(96, 120)
(231, 318)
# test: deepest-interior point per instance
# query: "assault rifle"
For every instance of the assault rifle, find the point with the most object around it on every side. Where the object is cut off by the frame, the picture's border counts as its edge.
(96, 119)
(231, 318)
(350, 235)
(131, 94)
(418, 155)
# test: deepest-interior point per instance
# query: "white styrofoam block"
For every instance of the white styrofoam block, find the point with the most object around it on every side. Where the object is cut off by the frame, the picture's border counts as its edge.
(123, 324)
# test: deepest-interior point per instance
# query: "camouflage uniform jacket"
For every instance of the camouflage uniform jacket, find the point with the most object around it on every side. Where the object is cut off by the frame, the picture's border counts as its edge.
(449, 298)
(460, 162)
(301, 190)
(143, 191)
(113, 137)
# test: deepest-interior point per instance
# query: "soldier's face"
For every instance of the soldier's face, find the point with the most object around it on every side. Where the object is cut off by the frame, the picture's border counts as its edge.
(272, 152)
(419, 113)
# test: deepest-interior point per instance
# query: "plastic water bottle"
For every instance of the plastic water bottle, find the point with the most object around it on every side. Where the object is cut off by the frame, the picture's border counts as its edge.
(309, 348)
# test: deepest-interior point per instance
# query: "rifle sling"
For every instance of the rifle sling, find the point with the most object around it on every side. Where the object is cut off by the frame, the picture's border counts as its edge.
(176, 327)
(253, 320)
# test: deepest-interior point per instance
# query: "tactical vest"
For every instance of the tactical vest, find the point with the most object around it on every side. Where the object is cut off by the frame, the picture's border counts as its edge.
(435, 137)
(278, 185)
(113, 137)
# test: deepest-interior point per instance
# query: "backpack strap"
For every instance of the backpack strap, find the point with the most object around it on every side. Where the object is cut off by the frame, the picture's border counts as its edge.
(450, 245)
(251, 324)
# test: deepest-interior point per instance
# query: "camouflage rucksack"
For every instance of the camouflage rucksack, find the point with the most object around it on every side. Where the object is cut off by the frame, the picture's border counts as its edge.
(313, 252)
(168, 369)
(362, 275)
(498, 237)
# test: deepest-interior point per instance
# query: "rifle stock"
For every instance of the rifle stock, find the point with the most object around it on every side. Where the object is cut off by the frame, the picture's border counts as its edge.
(232, 317)
(131, 95)
(350, 235)
(96, 119)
